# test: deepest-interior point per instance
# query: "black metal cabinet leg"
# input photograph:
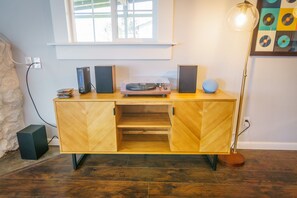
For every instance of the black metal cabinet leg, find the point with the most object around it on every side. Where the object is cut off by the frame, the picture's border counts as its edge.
(76, 163)
(213, 162)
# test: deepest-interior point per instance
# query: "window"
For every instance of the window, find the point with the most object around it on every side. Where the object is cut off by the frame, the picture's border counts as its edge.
(113, 20)
(112, 29)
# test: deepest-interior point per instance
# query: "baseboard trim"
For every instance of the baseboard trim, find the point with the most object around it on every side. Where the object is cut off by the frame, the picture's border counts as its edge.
(241, 145)
(267, 145)
(54, 142)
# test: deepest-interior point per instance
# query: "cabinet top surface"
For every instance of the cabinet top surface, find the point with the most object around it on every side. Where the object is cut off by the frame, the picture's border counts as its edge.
(174, 96)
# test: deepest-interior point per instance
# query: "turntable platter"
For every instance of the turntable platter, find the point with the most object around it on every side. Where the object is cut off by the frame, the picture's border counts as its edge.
(141, 86)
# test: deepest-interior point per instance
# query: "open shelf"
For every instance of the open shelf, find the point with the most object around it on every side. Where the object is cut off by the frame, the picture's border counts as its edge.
(144, 143)
(143, 129)
(144, 120)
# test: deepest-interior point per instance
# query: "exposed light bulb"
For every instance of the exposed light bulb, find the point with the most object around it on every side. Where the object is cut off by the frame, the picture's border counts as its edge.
(240, 20)
(243, 17)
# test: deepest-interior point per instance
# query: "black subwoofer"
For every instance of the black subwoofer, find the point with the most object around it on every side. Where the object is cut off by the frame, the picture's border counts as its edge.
(32, 142)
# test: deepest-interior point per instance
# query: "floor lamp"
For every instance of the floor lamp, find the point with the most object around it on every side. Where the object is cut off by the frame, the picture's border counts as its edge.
(242, 17)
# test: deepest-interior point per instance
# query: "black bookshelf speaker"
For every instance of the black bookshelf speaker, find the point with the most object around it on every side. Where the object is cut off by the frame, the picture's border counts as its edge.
(187, 78)
(105, 79)
(83, 79)
(32, 142)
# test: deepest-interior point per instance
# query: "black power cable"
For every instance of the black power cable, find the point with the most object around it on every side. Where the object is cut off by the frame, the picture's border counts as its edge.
(28, 89)
(93, 86)
(52, 139)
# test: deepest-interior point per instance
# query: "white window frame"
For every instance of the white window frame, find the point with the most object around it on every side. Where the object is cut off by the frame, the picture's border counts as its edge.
(159, 48)
(114, 23)
(154, 33)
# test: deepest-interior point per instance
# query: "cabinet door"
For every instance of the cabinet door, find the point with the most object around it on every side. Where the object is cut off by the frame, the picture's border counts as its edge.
(216, 129)
(86, 127)
(202, 127)
(186, 126)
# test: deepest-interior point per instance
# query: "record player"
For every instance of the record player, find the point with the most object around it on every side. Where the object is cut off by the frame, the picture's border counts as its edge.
(146, 86)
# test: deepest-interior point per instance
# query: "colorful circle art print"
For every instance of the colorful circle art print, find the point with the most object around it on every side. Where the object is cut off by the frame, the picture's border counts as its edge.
(265, 41)
(268, 19)
(283, 41)
(288, 19)
(276, 33)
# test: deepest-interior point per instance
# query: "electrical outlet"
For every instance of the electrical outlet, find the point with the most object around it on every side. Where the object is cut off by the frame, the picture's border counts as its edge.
(37, 63)
(246, 121)
(28, 60)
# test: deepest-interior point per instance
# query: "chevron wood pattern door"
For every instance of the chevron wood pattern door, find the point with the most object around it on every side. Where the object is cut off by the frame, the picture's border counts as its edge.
(203, 127)
(86, 127)
(186, 126)
(216, 129)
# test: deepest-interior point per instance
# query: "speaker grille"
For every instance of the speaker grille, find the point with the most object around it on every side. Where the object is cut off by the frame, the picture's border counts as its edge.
(187, 78)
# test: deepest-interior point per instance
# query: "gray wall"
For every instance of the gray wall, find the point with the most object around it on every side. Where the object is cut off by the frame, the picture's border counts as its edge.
(202, 38)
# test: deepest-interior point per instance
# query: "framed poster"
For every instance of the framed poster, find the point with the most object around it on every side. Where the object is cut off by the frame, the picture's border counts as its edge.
(276, 33)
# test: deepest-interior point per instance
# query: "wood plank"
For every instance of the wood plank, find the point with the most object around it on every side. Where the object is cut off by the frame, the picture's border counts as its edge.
(151, 120)
(158, 100)
(144, 143)
(265, 174)
(145, 132)
(198, 162)
(144, 108)
(72, 188)
(133, 103)
(220, 190)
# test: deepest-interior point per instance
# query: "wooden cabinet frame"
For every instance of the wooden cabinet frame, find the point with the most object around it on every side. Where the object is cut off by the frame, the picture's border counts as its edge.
(194, 123)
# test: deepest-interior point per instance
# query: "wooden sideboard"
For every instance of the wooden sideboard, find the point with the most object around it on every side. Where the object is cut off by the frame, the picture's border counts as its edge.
(180, 123)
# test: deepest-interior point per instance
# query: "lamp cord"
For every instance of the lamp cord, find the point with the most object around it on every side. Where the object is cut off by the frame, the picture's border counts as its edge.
(249, 125)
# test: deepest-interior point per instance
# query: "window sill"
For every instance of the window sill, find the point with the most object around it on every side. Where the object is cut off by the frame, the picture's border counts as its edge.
(113, 44)
(114, 51)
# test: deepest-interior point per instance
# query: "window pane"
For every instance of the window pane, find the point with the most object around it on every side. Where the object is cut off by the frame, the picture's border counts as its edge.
(102, 6)
(82, 6)
(136, 19)
(103, 29)
(121, 26)
(130, 4)
(143, 5)
(143, 14)
(143, 27)
(84, 28)
(120, 5)
(130, 27)
(93, 19)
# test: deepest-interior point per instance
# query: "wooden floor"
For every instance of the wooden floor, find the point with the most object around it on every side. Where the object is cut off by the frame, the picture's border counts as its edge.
(265, 174)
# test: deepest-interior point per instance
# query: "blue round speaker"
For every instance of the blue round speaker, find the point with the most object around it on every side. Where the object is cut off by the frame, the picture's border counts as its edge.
(210, 86)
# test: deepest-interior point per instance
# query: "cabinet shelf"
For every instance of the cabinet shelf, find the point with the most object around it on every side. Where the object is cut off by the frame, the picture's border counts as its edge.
(144, 120)
(156, 144)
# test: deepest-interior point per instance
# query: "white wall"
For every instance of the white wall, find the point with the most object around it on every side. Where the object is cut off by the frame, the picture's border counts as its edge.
(203, 38)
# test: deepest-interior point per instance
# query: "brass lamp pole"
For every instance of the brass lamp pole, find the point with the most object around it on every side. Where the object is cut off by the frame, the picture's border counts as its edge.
(241, 96)
(242, 17)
